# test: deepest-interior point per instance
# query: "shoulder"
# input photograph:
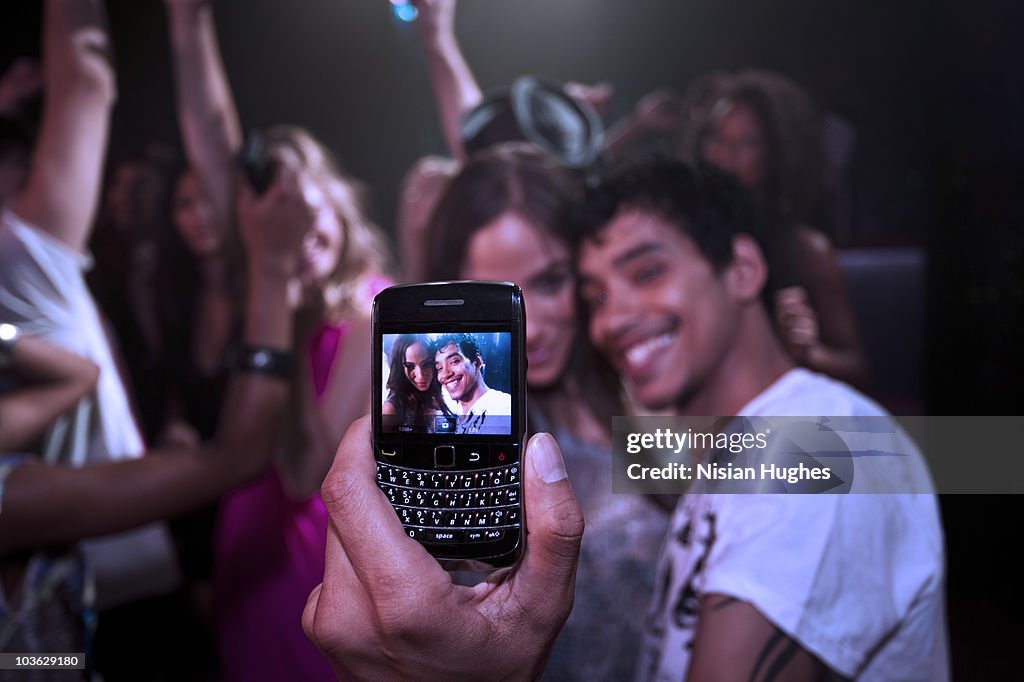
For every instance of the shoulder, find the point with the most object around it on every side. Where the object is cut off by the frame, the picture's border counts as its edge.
(811, 240)
(815, 254)
(498, 398)
(801, 392)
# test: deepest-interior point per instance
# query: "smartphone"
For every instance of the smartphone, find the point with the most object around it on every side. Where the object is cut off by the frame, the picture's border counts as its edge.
(449, 416)
(257, 164)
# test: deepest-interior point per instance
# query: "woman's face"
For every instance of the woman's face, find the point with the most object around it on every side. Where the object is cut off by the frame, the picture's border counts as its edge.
(325, 238)
(735, 142)
(133, 198)
(193, 216)
(512, 249)
(323, 243)
(419, 366)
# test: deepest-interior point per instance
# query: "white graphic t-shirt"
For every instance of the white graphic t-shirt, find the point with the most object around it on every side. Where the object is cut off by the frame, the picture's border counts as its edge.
(856, 579)
(490, 414)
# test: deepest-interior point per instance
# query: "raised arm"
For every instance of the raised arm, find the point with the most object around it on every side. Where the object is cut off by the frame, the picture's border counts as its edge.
(658, 113)
(45, 505)
(54, 380)
(206, 108)
(455, 89)
(817, 324)
(63, 187)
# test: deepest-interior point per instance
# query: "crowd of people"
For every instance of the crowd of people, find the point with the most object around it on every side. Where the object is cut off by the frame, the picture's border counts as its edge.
(179, 347)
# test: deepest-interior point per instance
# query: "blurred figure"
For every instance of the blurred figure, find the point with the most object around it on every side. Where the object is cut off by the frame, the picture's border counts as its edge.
(46, 594)
(766, 131)
(270, 537)
(43, 293)
(560, 119)
(673, 278)
(502, 218)
(128, 281)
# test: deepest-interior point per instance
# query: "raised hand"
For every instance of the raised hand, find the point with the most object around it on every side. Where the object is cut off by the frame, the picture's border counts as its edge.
(436, 19)
(797, 322)
(660, 111)
(273, 225)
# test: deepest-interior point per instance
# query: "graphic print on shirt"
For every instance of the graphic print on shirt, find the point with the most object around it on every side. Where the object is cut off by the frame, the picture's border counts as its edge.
(687, 602)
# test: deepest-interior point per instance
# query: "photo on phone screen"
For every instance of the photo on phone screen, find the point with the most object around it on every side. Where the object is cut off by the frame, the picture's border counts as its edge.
(445, 382)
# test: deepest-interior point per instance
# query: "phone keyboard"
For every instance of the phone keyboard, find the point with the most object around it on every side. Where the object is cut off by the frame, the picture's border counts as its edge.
(446, 507)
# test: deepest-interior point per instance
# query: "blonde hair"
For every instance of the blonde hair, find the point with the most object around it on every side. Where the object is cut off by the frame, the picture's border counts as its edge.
(366, 251)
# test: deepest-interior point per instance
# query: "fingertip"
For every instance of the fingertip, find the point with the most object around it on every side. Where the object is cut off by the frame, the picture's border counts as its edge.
(546, 458)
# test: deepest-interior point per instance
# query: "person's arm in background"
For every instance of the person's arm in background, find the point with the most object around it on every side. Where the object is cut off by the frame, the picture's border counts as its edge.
(209, 126)
(45, 505)
(55, 380)
(422, 188)
(817, 324)
(62, 191)
(658, 113)
(455, 89)
(734, 641)
(207, 114)
(386, 610)
(346, 397)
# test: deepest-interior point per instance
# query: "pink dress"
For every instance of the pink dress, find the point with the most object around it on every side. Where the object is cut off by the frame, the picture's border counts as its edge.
(269, 555)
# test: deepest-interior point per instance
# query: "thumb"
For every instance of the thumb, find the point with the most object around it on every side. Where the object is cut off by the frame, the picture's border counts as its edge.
(554, 522)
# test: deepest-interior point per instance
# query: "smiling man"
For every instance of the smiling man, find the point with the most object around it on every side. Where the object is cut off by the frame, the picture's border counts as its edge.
(460, 371)
(759, 587)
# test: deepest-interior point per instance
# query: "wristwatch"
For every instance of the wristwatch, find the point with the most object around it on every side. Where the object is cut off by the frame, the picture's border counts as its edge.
(8, 335)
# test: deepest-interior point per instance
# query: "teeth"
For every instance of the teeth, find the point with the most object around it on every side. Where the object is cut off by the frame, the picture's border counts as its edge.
(641, 352)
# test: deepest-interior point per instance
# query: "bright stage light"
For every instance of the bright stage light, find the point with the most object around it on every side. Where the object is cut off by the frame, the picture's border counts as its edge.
(404, 10)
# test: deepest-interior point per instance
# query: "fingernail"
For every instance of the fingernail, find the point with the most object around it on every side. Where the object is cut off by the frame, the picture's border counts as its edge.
(546, 459)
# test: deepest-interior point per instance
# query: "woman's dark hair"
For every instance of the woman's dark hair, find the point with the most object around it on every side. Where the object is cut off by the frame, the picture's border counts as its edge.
(508, 178)
(414, 406)
(799, 178)
(521, 179)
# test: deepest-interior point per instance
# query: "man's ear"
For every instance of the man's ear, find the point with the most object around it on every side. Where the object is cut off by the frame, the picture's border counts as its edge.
(747, 273)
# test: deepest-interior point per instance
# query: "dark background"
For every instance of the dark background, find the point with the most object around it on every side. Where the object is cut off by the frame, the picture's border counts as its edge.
(932, 89)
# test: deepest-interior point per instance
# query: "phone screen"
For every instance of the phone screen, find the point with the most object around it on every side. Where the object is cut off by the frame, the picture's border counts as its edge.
(446, 382)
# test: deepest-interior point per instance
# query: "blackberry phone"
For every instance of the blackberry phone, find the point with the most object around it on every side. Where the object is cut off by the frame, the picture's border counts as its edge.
(449, 416)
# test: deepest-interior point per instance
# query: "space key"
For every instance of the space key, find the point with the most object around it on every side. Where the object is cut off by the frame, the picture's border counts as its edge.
(442, 536)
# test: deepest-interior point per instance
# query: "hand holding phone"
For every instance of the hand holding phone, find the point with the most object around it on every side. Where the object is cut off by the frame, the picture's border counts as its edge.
(450, 415)
(387, 610)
